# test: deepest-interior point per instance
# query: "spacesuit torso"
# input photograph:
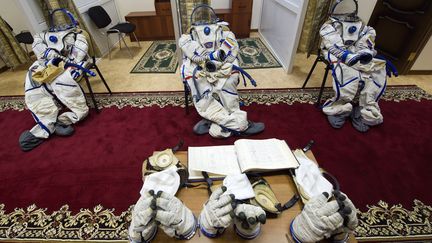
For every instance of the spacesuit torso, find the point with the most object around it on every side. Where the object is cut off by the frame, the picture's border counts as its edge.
(68, 45)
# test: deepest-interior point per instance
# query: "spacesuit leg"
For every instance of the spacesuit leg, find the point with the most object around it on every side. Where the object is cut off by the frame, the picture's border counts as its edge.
(229, 95)
(375, 85)
(345, 85)
(44, 111)
(70, 94)
(210, 106)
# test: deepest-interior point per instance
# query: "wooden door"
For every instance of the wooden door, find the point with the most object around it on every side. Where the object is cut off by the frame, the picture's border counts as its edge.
(403, 29)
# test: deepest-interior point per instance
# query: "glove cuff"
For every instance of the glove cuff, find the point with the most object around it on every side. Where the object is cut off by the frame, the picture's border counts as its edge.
(250, 235)
(207, 230)
(294, 237)
(152, 236)
(189, 234)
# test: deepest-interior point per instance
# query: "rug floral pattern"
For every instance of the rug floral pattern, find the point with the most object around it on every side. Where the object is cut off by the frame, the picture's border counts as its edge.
(254, 54)
(161, 57)
(379, 222)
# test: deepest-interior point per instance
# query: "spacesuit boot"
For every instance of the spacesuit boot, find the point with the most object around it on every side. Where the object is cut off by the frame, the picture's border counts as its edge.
(202, 127)
(63, 130)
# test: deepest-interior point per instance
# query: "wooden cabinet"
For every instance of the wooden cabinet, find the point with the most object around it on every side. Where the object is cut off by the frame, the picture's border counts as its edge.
(153, 25)
(158, 25)
(241, 18)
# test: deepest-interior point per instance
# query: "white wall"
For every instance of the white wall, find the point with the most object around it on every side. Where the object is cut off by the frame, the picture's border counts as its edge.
(366, 8)
(424, 61)
(12, 12)
(221, 4)
(111, 8)
(127, 6)
(256, 13)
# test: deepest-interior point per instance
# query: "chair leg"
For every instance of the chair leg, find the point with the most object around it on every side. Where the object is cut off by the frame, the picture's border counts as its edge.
(91, 92)
(186, 92)
(109, 48)
(310, 72)
(102, 77)
(318, 103)
(28, 54)
(136, 39)
(119, 37)
(127, 47)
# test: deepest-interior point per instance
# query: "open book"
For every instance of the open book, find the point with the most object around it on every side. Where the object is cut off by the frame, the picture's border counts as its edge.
(246, 155)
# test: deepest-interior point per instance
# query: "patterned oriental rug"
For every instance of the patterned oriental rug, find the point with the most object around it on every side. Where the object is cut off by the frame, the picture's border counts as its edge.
(82, 187)
(161, 57)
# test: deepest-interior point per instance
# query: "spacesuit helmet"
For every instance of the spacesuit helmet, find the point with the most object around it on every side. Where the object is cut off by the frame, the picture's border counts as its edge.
(203, 15)
(73, 23)
(345, 10)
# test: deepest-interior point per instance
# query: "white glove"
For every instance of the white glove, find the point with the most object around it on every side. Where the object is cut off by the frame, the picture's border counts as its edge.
(349, 58)
(143, 227)
(248, 220)
(349, 212)
(217, 213)
(318, 220)
(175, 219)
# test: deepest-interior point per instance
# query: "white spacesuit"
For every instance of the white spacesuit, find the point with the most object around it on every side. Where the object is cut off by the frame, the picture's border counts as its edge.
(210, 69)
(61, 57)
(349, 46)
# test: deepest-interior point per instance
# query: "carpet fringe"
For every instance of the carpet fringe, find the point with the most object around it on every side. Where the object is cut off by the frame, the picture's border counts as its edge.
(248, 97)
(379, 222)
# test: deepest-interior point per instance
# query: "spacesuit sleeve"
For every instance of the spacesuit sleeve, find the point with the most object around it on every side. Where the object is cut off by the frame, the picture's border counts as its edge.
(367, 40)
(230, 46)
(330, 36)
(192, 49)
(80, 48)
(41, 50)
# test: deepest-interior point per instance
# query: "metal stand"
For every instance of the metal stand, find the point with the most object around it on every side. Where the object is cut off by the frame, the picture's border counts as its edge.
(327, 69)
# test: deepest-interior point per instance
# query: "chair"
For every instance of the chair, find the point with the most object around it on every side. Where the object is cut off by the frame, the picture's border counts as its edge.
(101, 19)
(320, 58)
(25, 37)
(92, 65)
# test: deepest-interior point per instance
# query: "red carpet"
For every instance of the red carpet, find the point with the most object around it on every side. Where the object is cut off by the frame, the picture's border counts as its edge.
(101, 163)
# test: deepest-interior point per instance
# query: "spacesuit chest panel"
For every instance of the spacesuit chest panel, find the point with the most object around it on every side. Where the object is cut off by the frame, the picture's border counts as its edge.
(62, 41)
(208, 36)
(351, 32)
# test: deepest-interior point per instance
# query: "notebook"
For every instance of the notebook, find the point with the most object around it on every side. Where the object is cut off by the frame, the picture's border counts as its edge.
(246, 155)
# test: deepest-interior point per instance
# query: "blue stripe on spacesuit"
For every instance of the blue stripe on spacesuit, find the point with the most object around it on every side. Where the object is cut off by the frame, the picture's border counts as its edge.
(40, 123)
(352, 80)
(32, 88)
(184, 78)
(377, 84)
(382, 91)
(334, 78)
(229, 92)
(69, 85)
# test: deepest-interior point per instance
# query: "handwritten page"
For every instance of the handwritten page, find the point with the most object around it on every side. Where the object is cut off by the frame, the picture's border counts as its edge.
(221, 160)
(264, 154)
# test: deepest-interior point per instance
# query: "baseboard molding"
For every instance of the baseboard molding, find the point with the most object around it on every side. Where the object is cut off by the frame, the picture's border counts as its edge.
(420, 72)
(254, 30)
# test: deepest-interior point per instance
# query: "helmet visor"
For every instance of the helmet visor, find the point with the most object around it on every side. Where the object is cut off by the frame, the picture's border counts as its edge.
(202, 15)
(345, 8)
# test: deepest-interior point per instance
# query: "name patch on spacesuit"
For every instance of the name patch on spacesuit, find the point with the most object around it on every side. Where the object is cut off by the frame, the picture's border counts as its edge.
(208, 45)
